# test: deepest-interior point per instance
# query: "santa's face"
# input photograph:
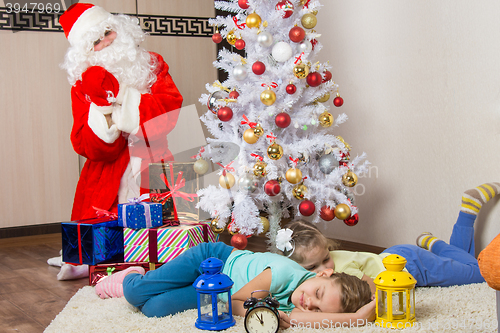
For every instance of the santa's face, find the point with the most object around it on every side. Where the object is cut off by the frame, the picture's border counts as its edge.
(109, 37)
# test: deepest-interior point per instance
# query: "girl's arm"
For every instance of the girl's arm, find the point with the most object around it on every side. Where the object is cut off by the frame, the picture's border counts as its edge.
(260, 282)
(370, 282)
(329, 320)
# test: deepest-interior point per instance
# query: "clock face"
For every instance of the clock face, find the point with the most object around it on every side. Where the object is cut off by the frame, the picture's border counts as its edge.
(261, 320)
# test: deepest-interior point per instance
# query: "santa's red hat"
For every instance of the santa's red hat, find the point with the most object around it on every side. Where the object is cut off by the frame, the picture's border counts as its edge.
(79, 18)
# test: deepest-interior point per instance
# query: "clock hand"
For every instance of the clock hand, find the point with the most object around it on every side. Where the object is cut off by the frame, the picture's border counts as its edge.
(260, 319)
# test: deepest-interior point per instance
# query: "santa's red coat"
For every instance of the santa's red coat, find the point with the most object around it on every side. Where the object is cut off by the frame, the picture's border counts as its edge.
(107, 161)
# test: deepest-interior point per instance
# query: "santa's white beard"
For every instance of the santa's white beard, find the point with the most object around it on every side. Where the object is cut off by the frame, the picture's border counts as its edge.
(130, 64)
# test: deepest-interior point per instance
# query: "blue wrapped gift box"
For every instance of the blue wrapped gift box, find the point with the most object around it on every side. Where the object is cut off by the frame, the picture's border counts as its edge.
(140, 215)
(92, 241)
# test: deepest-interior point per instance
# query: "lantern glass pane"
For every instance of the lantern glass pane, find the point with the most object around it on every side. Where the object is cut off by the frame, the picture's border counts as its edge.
(382, 304)
(206, 307)
(223, 305)
(412, 303)
(398, 305)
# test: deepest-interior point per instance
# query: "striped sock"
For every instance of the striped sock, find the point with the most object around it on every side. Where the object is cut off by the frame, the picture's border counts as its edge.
(426, 240)
(473, 199)
(111, 286)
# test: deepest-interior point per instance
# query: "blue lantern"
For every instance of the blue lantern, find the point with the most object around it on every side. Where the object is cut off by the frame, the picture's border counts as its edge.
(214, 297)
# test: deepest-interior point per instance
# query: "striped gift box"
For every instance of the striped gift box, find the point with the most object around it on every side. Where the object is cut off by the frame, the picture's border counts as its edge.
(170, 242)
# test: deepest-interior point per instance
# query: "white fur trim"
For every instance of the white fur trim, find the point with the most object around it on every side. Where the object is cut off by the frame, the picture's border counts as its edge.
(129, 183)
(126, 117)
(88, 19)
(97, 122)
(103, 109)
(121, 93)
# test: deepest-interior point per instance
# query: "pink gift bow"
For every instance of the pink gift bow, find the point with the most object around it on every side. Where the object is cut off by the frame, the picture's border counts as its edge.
(174, 190)
(104, 213)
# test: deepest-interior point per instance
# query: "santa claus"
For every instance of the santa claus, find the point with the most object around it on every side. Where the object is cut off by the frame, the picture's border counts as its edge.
(124, 104)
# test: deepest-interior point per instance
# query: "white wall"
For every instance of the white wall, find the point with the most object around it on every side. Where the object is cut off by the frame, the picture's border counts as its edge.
(421, 85)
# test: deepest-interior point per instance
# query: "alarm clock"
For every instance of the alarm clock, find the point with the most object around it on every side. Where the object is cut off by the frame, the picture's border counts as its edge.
(262, 314)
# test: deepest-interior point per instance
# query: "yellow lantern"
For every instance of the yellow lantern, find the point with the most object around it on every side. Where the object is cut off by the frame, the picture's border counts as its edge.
(395, 294)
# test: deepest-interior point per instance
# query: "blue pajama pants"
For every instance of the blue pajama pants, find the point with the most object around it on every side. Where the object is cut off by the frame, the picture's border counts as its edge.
(168, 289)
(447, 264)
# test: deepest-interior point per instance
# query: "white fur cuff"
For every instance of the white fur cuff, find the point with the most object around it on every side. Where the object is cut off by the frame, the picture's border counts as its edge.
(102, 109)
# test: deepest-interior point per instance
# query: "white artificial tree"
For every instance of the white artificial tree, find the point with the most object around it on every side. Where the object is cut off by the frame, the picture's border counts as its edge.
(272, 127)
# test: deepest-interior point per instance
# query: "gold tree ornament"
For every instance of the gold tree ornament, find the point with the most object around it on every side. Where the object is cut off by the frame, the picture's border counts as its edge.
(214, 226)
(249, 136)
(275, 151)
(324, 98)
(326, 119)
(350, 179)
(265, 225)
(309, 21)
(253, 20)
(231, 37)
(226, 181)
(200, 166)
(342, 211)
(301, 70)
(299, 191)
(293, 175)
(268, 97)
(258, 130)
(259, 169)
(341, 139)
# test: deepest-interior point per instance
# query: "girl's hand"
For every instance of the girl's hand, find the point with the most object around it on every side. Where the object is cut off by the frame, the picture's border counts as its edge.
(284, 320)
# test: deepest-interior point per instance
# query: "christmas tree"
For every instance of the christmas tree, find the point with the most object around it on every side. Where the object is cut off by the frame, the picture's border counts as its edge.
(271, 125)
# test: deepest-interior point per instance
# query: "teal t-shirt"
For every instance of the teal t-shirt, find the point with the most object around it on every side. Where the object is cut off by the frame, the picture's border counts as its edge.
(242, 266)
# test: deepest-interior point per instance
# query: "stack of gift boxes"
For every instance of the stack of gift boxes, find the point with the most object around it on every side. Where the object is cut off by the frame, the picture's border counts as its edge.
(148, 231)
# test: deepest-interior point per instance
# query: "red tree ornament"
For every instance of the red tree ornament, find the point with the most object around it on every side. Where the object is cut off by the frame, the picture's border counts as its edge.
(239, 44)
(234, 94)
(338, 101)
(243, 4)
(327, 76)
(314, 79)
(352, 220)
(272, 187)
(239, 241)
(286, 6)
(225, 113)
(307, 208)
(291, 88)
(258, 68)
(326, 213)
(217, 38)
(282, 120)
(297, 34)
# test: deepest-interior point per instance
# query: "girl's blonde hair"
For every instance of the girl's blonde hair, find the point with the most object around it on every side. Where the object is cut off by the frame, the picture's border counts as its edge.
(304, 237)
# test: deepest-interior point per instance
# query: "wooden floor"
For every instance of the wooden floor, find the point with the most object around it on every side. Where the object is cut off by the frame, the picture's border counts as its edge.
(30, 294)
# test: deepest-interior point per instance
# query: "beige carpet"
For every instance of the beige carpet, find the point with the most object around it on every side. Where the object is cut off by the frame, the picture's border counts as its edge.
(469, 308)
